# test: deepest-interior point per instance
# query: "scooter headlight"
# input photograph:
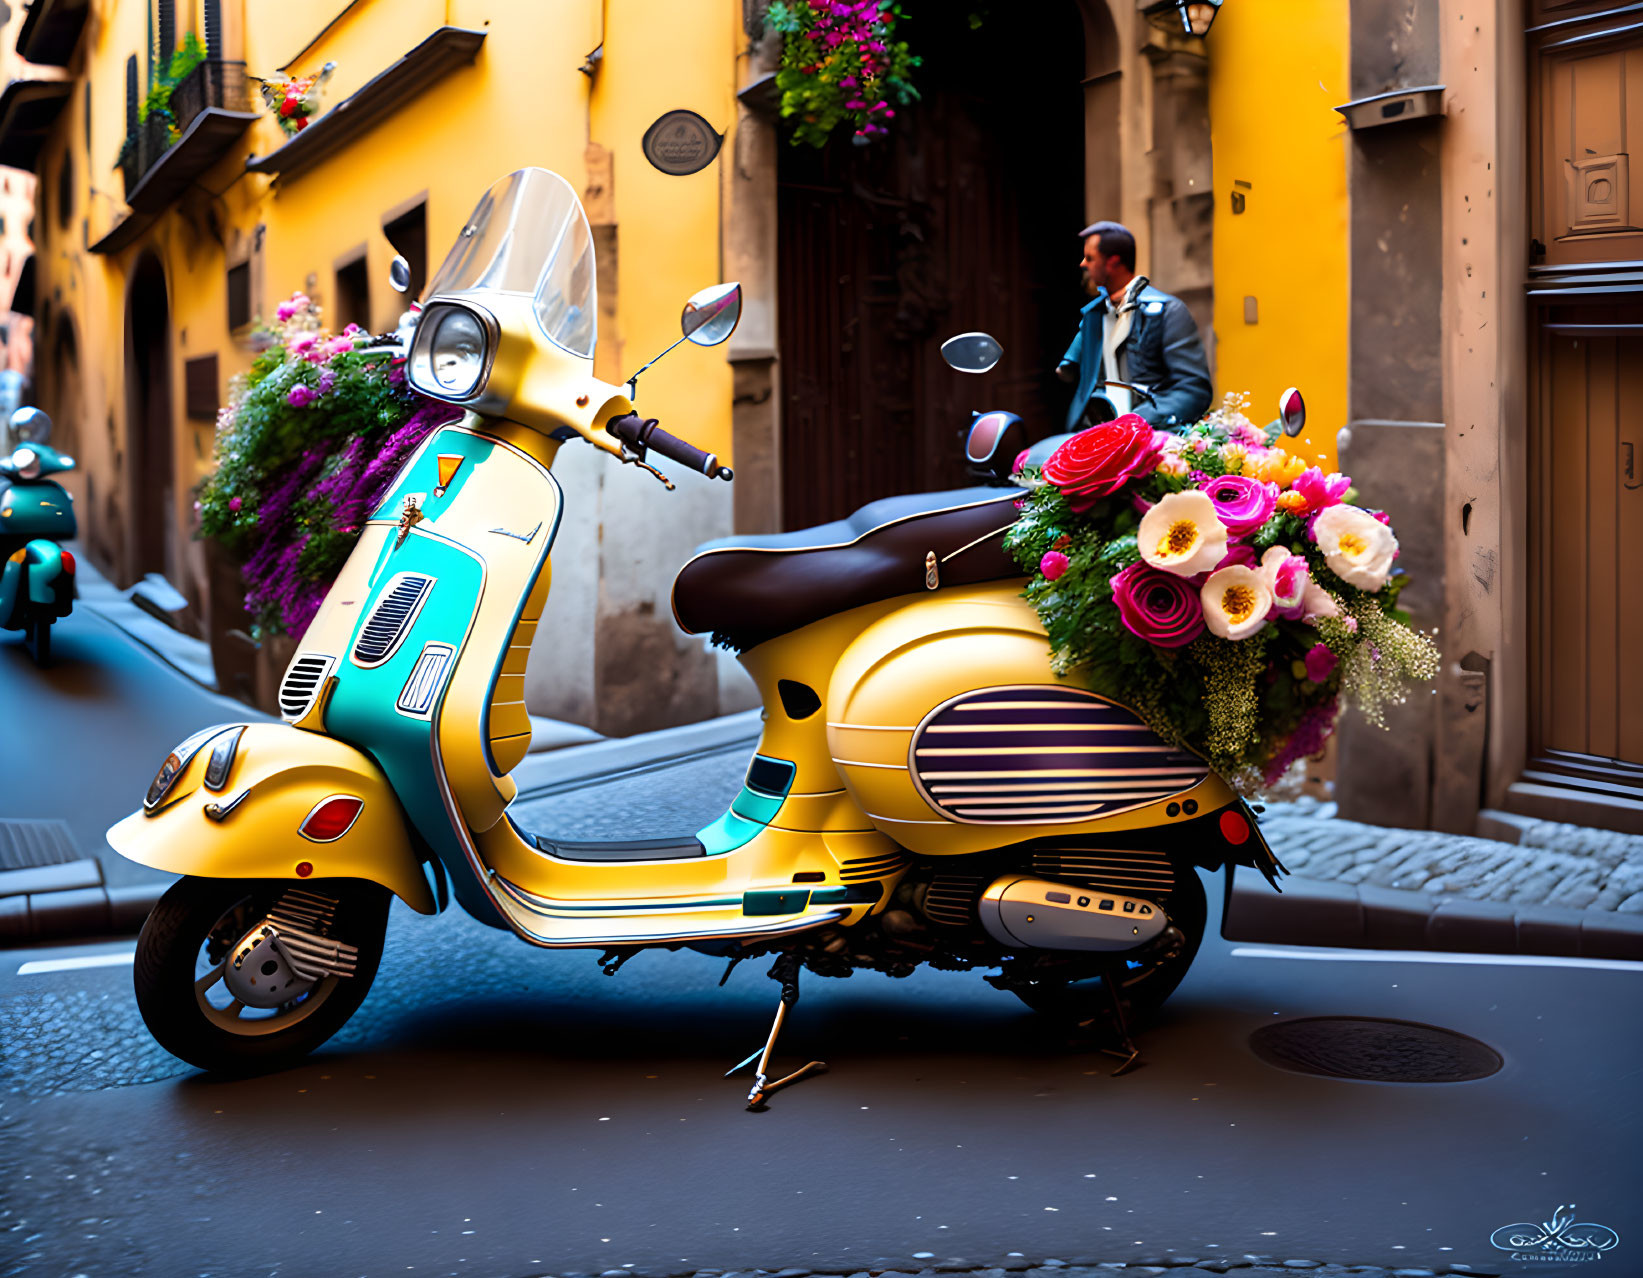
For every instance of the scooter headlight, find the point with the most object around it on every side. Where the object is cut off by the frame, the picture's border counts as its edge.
(26, 463)
(176, 763)
(451, 353)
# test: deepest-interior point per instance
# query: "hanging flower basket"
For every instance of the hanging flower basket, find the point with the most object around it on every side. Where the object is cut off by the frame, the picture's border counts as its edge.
(295, 100)
(1233, 596)
(306, 448)
(841, 65)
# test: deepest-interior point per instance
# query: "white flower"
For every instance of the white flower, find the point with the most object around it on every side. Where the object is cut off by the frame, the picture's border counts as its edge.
(1236, 602)
(1182, 534)
(1285, 576)
(1318, 602)
(1357, 547)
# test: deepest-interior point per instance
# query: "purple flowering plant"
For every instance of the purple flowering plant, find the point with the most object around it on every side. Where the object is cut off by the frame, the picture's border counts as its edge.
(307, 446)
(841, 64)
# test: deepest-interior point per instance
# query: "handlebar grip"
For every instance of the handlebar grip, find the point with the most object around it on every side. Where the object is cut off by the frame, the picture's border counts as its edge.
(644, 433)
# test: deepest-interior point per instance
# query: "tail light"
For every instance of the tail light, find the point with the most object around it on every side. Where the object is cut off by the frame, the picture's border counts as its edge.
(68, 561)
(331, 818)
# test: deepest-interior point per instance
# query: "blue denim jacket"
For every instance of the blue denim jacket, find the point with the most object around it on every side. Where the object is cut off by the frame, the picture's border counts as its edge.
(1162, 352)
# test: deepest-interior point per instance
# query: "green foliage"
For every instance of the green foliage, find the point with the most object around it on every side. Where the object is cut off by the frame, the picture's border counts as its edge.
(841, 65)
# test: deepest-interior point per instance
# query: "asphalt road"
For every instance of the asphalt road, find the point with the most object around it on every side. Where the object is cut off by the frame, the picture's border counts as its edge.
(497, 1111)
(82, 738)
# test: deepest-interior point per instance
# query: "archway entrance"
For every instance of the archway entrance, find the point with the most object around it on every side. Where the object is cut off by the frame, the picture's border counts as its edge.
(149, 468)
(965, 217)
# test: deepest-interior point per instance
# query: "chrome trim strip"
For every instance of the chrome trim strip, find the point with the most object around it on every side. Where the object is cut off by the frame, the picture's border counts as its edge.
(857, 763)
(978, 542)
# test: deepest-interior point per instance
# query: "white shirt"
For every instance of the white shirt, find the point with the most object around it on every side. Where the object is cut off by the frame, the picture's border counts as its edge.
(1115, 327)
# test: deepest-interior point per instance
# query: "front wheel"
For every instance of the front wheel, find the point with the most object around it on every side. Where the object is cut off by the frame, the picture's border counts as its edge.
(1150, 975)
(191, 1000)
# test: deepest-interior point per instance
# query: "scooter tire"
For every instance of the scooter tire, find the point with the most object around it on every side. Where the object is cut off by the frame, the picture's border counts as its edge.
(39, 635)
(1145, 992)
(182, 923)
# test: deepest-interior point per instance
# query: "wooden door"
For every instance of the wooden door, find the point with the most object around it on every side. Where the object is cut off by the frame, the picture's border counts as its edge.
(1586, 399)
(966, 217)
(1587, 540)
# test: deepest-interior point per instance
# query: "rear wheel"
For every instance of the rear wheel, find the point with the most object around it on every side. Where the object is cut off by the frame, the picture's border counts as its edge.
(1150, 975)
(39, 637)
(187, 993)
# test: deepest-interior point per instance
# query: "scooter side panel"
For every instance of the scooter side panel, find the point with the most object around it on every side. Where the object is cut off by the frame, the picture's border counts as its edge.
(280, 774)
(905, 667)
(36, 508)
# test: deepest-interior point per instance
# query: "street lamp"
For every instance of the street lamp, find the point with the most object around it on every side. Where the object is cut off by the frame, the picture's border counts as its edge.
(1193, 16)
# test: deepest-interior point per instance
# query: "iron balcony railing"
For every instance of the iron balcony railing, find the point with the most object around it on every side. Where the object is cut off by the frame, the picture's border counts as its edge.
(213, 83)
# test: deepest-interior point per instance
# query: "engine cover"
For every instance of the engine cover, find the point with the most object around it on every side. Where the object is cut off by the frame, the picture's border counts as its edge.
(1028, 913)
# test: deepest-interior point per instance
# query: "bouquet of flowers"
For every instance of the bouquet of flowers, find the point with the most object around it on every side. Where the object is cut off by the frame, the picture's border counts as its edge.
(294, 100)
(1231, 595)
(308, 444)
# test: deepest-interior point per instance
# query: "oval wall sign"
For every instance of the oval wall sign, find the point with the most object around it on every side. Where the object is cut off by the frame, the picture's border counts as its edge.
(681, 142)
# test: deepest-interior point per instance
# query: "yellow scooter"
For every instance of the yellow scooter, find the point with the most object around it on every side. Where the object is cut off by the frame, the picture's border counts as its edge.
(925, 788)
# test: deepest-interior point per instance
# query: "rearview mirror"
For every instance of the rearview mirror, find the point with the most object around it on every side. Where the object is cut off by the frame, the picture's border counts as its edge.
(1292, 412)
(710, 317)
(399, 274)
(972, 352)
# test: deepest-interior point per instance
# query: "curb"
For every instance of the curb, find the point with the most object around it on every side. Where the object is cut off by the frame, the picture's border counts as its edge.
(1363, 916)
(90, 912)
(557, 771)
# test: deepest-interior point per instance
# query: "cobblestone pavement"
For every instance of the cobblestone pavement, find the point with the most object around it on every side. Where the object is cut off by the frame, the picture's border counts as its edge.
(1562, 865)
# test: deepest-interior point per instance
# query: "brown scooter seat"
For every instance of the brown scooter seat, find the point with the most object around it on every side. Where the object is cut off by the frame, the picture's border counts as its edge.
(745, 590)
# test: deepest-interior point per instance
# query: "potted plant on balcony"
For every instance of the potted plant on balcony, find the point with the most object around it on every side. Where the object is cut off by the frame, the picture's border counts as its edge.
(156, 121)
(306, 447)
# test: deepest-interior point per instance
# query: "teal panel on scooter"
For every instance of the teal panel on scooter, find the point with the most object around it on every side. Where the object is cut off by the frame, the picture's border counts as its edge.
(36, 508)
(362, 709)
(45, 563)
(751, 810)
(421, 477)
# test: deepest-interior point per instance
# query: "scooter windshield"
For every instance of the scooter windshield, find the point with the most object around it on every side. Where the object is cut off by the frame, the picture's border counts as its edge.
(529, 236)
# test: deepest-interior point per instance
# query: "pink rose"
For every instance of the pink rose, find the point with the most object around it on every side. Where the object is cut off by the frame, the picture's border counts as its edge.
(1020, 460)
(1320, 490)
(1320, 663)
(234, 503)
(1097, 462)
(300, 396)
(1052, 565)
(1241, 503)
(1158, 606)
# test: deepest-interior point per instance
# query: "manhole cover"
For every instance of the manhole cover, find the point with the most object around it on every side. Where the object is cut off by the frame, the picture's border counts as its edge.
(1373, 1049)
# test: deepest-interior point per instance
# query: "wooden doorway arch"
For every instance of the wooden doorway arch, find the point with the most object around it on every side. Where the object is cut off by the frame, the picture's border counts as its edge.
(150, 469)
(965, 217)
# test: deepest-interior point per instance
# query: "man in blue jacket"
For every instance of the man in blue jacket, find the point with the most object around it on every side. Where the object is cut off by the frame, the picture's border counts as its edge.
(1132, 332)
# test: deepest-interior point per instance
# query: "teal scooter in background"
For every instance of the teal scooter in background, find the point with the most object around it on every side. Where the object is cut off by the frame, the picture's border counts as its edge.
(37, 577)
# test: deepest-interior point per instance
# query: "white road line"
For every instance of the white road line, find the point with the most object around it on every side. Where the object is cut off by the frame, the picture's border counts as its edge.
(1432, 956)
(41, 966)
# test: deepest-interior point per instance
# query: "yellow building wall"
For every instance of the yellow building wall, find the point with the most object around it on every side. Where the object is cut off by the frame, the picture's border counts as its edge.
(1277, 71)
(522, 102)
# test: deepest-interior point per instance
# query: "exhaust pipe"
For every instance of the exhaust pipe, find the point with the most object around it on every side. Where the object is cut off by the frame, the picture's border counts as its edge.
(1029, 913)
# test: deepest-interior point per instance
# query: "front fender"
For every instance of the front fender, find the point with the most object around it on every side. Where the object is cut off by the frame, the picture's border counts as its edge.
(279, 775)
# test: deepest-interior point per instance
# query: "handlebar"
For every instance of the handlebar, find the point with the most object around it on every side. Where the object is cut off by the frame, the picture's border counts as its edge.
(641, 434)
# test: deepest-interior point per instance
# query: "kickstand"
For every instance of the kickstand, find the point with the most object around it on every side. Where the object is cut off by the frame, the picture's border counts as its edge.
(785, 970)
(1126, 1049)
